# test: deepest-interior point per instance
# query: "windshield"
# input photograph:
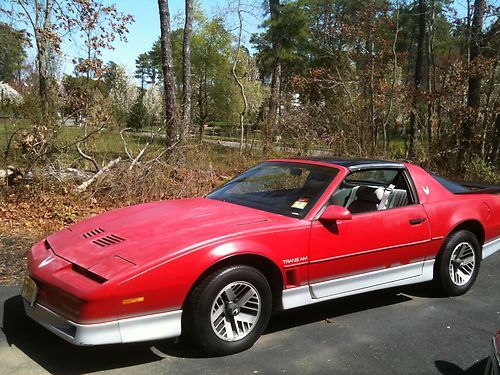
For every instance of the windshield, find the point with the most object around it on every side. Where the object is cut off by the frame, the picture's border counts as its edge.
(289, 189)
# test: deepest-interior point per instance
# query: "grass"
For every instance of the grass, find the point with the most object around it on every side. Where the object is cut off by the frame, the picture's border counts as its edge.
(103, 146)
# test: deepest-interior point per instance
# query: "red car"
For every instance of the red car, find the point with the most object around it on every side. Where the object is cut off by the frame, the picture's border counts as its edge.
(286, 233)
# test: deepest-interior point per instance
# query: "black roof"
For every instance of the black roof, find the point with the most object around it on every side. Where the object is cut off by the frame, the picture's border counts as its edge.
(354, 164)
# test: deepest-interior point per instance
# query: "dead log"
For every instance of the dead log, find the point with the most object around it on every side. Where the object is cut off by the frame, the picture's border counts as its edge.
(10, 175)
(81, 188)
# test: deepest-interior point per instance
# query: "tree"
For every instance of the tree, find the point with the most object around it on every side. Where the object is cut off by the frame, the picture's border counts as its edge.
(138, 116)
(186, 71)
(12, 52)
(49, 22)
(76, 89)
(123, 94)
(237, 79)
(142, 67)
(38, 17)
(214, 94)
(271, 123)
(168, 74)
(419, 69)
(110, 74)
(474, 81)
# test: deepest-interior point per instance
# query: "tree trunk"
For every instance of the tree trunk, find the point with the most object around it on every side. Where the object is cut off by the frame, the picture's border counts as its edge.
(43, 46)
(419, 64)
(238, 80)
(272, 117)
(495, 147)
(168, 73)
(430, 75)
(371, 85)
(486, 118)
(186, 71)
(393, 83)
(474, 84)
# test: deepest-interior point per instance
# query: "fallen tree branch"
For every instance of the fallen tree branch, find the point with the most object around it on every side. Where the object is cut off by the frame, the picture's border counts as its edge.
(143, 151)
(81, 188)
(125, 143)
(87, 157)
(165, 150)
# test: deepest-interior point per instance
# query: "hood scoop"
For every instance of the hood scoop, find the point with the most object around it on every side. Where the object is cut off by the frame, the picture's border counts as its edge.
(111, 239)
(93, 232)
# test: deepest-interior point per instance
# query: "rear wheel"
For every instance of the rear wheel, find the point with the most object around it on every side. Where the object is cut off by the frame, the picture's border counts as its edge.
(229, 310)
(458, 264)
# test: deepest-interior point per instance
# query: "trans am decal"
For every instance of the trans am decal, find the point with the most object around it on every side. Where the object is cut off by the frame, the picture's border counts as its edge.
(295, 260)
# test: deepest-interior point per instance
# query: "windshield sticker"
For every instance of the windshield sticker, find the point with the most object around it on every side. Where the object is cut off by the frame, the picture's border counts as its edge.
(301, 203)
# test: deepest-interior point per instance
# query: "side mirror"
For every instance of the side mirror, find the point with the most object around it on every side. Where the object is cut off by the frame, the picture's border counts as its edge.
(335, 213)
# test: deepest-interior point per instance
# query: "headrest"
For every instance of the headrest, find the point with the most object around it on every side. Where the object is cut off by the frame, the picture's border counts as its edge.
(369, 194)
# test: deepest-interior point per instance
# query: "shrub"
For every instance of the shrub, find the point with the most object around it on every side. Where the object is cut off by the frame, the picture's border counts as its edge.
(138, 115)
(479, 170)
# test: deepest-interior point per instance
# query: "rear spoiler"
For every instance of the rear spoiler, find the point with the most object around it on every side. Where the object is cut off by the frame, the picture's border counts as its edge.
(478, 188)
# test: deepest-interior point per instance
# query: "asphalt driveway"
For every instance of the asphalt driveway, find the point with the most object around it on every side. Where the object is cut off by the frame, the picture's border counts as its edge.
(398, 331)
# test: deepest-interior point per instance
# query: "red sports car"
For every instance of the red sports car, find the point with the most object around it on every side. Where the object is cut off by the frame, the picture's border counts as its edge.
(286, 233)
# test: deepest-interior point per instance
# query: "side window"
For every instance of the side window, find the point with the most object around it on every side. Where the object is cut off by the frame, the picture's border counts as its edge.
(373, 190)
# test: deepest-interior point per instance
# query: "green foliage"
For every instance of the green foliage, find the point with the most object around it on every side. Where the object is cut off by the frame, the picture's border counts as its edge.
(12, 52)
(290, 32)
(215, 94)
(30, 108)
(143, 66)
(479, 170)
(110, 74)
(138, 116)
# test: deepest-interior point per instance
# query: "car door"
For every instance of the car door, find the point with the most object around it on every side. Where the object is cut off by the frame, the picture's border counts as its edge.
(377, 246)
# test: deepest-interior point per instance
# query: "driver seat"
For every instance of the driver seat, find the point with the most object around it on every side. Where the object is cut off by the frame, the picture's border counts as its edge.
(367, 199)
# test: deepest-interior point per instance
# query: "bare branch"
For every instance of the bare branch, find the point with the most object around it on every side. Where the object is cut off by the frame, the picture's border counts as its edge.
(81, 188)
(125, 143)
(87, 157)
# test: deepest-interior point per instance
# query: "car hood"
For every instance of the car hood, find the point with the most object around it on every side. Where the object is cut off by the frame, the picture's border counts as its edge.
(111, 242)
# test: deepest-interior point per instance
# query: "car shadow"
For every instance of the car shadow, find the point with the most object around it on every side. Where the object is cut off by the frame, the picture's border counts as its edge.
(423, 290)
(58, 357)
(448, 368)
(329, 310)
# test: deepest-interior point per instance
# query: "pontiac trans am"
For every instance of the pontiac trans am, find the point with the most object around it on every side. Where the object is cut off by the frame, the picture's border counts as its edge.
(284, 234)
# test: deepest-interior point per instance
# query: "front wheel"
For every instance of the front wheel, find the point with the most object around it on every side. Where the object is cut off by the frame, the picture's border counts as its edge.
(458, 263)
(229, 310)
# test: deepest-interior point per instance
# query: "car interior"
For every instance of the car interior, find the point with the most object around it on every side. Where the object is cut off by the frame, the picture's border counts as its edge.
(286, 190)
(373, 190)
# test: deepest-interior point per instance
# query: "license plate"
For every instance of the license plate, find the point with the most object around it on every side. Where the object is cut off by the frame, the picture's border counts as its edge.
(29, 291)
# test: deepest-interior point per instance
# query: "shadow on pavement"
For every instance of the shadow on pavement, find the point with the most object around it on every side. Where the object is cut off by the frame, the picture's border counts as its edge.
(448, 368)
(58, 356)
(334, 308)
(424, 290)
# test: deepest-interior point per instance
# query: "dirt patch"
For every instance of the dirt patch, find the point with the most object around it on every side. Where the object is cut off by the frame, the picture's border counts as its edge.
(13, 250)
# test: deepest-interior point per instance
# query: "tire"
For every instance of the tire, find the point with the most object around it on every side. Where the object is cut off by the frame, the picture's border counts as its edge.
(458, 263)
(229, 310)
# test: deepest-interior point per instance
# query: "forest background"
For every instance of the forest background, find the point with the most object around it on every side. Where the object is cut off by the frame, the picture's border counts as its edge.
(414, 80)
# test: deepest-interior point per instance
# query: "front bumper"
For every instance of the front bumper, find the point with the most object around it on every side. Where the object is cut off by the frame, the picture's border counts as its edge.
(143, 328)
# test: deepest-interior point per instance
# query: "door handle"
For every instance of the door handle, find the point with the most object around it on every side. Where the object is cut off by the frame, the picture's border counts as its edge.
(417, 221)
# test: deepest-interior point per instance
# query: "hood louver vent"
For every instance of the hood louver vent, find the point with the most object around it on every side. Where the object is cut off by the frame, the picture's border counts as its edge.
(109, 240)
(93, 232)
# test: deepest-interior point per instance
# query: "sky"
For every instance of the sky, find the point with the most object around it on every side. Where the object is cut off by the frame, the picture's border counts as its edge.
(146, 28)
